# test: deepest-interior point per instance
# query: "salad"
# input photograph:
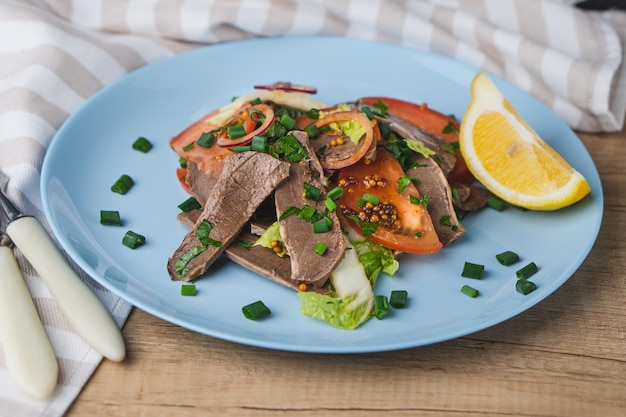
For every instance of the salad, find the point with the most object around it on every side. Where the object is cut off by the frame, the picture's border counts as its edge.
(321, 198)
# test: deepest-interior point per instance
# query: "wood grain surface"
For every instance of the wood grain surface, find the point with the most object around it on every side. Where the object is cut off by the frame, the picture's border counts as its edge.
(564, 357)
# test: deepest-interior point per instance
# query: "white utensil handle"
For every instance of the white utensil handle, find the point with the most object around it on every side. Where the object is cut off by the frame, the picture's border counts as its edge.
(28, 354)
(81, 307)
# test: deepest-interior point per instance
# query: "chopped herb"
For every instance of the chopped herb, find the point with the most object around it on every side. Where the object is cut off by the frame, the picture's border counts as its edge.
(495, 203)
(256, 310)
(236, 131)
(368, 198)
(241, 148)
(246, 244)
(189, 146)
(202, 233)
(181, 263)
(323, 226)
(142, 144)
(469, 291)
(525, 287)
(287, 121)
(133, 240)
(321, 248)
(182, 162)
(255, 101)
(507, 258)
(380, 108)
(445, 221)
(527, 271)
(420, 201)
(398, 298)
(404, 182)
(381, 306)
(311, 192)
(289, 212)
(188, 290)
(110, 218)
(206, 140)
(289, 147)
(123, 184)
(312, 130)
(450, 128)
(331, 206)
(471, 270)
(367, 228)
(259, 144)
(335, 193)
(368, 112)
(190, 204)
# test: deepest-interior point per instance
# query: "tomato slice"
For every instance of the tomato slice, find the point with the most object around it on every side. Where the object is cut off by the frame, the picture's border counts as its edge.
(254, 119)
(432, 121)
(403, 222)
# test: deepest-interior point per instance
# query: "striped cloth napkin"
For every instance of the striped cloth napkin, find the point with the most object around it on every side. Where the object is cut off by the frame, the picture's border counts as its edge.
(55, 54)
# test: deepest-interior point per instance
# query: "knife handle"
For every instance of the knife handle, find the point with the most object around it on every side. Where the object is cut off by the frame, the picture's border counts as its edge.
(28, 354)
(81, 307)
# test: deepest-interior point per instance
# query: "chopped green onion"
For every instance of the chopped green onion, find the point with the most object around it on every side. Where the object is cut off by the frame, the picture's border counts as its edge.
(190, 204)
(236, 131)
(188, 289)
(368, 112)
(189, 146)
(110, 218)
(525, 287)
(323, 226)
(133, 240)
(321, 248)
(123, 184)
(381, 306)
(312, 113)
(259, 144)
(404, 182)
(255, 101)
(368, 198)
(526, 271)
(450, 128)
(185, 258)
(335, 193)
(397, 299)
(307, 212)
(312, 192)
(206, 140)
(330, 204)
(424, 200)
(293, 150)
(256, 310)
(495, 203)
(290, 211)
(142, 145)
(507, 258)
(312, 130)
(182, 162)
(246, 244)
(241, 148)
(202, 233)
(471, 270)
(287, 121)
(467, 290)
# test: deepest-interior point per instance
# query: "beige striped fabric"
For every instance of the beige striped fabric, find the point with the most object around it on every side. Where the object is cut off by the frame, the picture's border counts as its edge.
(55, 54)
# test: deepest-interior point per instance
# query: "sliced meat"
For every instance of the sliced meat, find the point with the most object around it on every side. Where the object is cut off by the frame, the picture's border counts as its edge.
(408, 131)
(247, 179)
(433, 183)
(200, 184)
(471, 197)
(300, 239)
(258, 259)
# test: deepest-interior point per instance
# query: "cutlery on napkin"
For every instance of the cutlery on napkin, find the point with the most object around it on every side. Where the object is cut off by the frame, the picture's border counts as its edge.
(81, 307)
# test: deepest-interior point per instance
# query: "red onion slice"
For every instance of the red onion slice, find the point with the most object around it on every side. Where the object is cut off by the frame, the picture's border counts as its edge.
(287, 86)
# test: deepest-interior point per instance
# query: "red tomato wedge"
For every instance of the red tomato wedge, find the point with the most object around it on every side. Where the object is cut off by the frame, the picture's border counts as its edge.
(434, 122)
(403, 222)
(208, 159)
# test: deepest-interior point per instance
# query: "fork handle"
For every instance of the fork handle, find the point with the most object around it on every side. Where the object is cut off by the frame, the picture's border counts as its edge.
(28, 354)
(81, 307)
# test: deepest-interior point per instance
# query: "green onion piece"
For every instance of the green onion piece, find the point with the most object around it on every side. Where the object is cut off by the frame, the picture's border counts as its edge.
(256, 310)
(495, 203)
(507, 258)
(467, 290)
(241, 148)
(526, 271)
(246, 244)
(306, 213)
(312, 113)
(381, 306)
(323, 226)
(312, 130)
(202, 233)
(424, 200)
(525, 287)
(335, 193)
(368, 198)
(190, 204)
(259, 144)
(287, 121)
(255, 101)
(330, 205)
(185, 258)
(397, 299)
(110, 218)
(321, 248)
(188, 289)
(290, 211)
(293, 150)
(450, 128)
(206, 140)
(182, 162)
(142, 144)
(236, 131)
(133, 240)
(312, 192)
(123, 184)
(471, 270)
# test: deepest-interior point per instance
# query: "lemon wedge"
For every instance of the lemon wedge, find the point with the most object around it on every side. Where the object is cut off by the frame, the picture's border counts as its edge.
(509, 158)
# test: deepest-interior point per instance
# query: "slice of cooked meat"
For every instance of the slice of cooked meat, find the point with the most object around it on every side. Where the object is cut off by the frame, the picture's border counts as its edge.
(471, 197)
(433, 183)
(258, 259)
(247, 179)
(200, 184)
(300, 239)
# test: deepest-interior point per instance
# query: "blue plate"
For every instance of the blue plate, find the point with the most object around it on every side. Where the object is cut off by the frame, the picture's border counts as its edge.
(93, 148)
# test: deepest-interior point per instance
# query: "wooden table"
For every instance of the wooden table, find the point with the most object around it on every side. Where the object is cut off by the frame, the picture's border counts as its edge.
(564, 357)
